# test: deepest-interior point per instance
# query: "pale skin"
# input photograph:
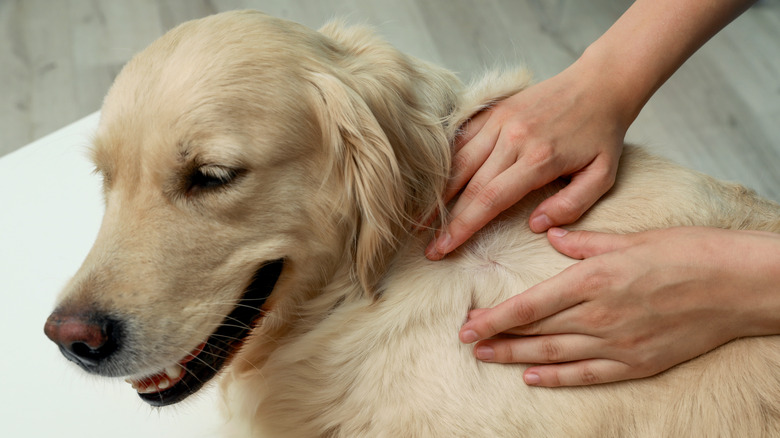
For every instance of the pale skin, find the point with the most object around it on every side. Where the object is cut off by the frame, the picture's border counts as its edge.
(636, 305)
(573, 125)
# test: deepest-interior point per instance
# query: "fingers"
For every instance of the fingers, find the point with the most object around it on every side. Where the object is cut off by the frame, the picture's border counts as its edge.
(497, 178)
(482, 201)
(547, 298)
(468, 160)
(470, 129)
(585, 372)
(471, 148)
(568, 359)
(569, 321)
(566, 206)
(585, 244)
(539, 349)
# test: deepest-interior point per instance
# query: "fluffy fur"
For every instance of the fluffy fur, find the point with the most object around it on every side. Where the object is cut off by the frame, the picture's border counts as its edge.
(343, 147)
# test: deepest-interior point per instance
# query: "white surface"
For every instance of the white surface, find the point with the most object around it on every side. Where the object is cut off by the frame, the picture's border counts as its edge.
(50, 211)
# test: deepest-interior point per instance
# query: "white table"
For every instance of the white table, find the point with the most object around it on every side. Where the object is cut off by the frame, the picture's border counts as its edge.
(50, 211)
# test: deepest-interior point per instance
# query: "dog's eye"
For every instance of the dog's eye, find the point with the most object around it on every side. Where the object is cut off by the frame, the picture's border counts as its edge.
(210, 177)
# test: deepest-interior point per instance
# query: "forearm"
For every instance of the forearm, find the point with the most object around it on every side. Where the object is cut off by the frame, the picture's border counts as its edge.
(751, 264)
(649, 42)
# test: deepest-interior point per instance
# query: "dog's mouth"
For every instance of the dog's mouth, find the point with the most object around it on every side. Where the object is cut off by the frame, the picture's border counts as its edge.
(178, 381)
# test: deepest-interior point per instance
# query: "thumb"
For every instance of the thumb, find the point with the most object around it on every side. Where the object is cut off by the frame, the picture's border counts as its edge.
(584, 244)
(571, 202)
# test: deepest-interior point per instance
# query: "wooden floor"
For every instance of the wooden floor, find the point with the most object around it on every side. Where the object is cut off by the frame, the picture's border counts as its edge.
(720, 113)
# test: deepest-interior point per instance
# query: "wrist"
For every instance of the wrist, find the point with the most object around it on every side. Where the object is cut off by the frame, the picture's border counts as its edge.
(761, 288)
(741, 272)
(649, 42)
(621, 92)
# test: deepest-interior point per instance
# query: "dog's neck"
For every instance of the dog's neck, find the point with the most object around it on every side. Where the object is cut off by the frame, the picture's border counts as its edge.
(386, 117)
(418, 109)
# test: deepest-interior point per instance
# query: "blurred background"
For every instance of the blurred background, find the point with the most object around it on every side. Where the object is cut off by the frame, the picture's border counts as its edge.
(720, 113)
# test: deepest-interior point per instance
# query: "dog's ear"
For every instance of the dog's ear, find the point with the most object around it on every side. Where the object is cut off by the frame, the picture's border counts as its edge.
(365, 161)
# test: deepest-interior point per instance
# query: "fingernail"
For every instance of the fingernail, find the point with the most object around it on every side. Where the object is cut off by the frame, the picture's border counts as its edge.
(469, 336)
(484, 353)
(531, 379)
(557, 232)
(541, 223)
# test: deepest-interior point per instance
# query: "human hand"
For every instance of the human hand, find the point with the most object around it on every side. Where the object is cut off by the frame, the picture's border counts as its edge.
(636, 305)
(570, 125)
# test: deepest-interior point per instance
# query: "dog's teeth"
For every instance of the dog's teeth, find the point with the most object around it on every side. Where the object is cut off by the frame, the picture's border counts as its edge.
(174, 371)
(164, 383)
(159, 382)
(147, 390)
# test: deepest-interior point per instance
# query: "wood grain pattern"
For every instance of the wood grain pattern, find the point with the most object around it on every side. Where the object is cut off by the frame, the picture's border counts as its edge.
(720, 113)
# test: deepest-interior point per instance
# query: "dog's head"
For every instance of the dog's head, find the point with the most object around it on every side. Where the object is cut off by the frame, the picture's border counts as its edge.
(245, 159)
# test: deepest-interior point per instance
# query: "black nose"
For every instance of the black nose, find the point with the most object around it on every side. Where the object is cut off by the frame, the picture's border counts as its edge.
(86, 339)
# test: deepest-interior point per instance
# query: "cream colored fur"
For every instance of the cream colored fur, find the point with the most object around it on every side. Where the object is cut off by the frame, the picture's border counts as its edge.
(345, 143)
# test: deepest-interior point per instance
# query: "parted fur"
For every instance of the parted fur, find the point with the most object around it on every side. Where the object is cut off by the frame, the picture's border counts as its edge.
(345, 146)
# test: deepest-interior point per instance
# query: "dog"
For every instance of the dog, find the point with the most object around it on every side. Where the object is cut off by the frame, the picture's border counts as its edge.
(264, 184)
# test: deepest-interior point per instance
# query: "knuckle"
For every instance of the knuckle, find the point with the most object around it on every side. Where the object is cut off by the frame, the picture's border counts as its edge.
(517, 133)
(608, 180)
(472, 190)
(540, 155)
(566, 210)
(505, 353)
(600, 318)
(551, 351)
(566, 203)
(489, 197)
(588, 375)
(460, 162)
(595, 278)
(634, 345)
(523, 312)
(605, 177)
(643, 368)
(644, 361)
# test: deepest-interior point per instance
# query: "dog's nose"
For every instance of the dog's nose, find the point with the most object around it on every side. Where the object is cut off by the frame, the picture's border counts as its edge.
(84, 339)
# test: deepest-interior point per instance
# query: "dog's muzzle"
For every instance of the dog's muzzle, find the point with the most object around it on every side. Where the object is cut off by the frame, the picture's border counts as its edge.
(92, 339)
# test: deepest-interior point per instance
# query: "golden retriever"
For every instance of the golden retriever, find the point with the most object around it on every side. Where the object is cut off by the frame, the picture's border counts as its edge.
(263, 184)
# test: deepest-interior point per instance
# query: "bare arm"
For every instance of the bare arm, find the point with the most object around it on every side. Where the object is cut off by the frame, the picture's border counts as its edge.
(574, 123)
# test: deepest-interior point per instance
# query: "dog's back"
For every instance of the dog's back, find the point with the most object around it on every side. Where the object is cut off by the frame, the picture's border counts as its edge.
(394, 366)
(391, 364)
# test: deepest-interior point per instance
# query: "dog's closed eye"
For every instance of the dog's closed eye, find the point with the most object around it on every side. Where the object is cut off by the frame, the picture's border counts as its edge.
(210, 177)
